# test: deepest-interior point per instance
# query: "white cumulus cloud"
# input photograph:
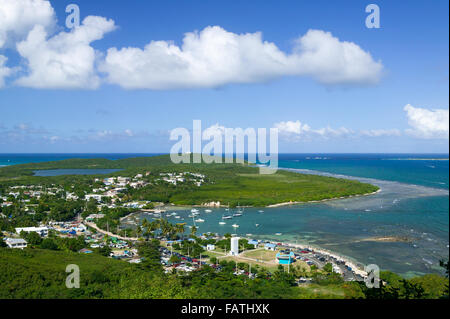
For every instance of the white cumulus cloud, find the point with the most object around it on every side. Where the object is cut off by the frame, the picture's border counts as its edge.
(292, 127)
(4, 70)
(18, 17)
(295, 130)
(381, 132)
(427, 123)
(214, 57)
(65, 60)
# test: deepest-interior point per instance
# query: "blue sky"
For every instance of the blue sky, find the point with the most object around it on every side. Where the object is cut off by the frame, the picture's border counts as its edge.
(315, 110)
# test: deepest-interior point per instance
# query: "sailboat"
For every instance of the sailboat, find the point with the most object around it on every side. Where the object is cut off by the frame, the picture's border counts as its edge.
(227, 217)
(238, 213)
(235, 225)
(208, 210)
(222, 223)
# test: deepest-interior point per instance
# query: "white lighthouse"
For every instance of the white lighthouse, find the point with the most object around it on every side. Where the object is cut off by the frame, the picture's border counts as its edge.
(234, 246)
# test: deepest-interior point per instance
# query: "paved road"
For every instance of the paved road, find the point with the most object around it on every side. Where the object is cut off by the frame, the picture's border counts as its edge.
(93, 225)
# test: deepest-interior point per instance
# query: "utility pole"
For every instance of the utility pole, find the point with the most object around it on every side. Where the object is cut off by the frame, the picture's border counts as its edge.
(250, 270)
(289, 263)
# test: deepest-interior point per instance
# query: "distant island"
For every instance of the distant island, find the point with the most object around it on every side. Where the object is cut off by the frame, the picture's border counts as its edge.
(220, 185)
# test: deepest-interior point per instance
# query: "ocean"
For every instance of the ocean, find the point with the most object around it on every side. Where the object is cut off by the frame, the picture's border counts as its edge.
(413, 204)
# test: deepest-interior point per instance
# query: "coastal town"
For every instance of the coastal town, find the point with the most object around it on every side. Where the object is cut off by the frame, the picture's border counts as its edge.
(210, 248)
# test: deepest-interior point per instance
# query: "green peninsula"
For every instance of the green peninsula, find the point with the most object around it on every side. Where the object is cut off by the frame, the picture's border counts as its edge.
(230, 184)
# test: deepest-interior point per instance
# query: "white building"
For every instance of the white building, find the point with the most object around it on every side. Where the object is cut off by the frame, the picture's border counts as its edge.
(97, 197)
(16, 243)
(234, 246)
(42, 231)
(95, 216)
(210, 247)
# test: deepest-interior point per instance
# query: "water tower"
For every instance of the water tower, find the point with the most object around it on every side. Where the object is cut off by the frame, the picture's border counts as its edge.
(234, 246)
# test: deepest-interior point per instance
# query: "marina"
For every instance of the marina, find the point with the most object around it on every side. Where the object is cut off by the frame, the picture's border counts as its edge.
(343, 226)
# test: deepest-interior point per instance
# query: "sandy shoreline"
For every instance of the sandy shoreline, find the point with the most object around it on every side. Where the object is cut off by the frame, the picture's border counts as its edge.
(204, 205)
(355, 265)
(322, 200)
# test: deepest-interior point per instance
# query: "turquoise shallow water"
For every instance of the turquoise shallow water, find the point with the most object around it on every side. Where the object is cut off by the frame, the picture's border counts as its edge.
(413, 203)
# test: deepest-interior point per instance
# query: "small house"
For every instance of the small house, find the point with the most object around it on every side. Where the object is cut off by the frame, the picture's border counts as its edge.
(16, 243)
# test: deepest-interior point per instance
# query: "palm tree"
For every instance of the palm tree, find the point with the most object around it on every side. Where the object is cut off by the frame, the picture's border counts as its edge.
(146, 226)
(164, 226)
(179, 228)
(193, 230)
(139, 231)
(105, 238)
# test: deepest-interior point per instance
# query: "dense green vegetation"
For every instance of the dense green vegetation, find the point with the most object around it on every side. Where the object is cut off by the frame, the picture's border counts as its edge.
(40, 273)
(231, 184)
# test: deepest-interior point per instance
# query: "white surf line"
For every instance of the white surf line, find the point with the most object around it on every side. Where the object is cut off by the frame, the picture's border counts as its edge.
(382, 184)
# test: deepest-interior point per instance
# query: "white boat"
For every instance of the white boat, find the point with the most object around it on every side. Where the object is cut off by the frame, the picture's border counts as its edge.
(278, 234)
(222, 223)
(199, 220)
(249, 235)
(177, 217)
(237, 214)
(260, 211)
(256, 225)
(235, 225)
(227, 217)
(193, 210)
(208, 210)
